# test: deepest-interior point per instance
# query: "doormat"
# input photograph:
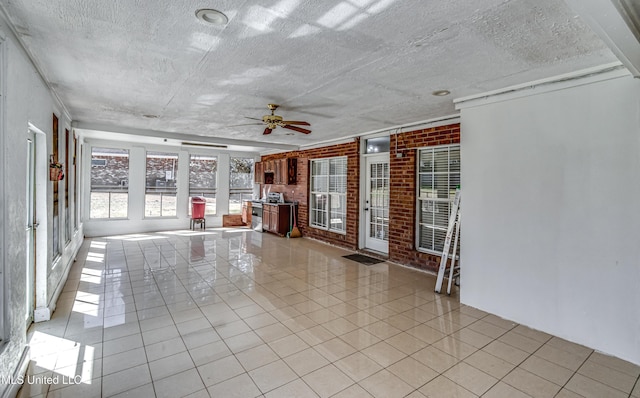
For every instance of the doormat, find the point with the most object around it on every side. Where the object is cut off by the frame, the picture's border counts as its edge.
(362, 259)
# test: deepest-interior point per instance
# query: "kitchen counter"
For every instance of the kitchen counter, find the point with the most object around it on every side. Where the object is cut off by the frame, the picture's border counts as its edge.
(277, 217)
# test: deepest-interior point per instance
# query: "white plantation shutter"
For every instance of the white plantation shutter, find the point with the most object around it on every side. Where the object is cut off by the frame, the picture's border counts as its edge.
(328, 200)
(438, 177)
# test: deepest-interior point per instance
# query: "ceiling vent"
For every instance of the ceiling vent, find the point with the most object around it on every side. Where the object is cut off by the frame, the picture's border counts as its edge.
(202, 145)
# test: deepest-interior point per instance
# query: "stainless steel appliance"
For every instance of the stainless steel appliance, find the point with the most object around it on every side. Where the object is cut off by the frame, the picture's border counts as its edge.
(256, 215)
(275, 197)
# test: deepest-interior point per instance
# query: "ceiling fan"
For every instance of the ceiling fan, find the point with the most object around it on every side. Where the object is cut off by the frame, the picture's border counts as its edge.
(272, 121)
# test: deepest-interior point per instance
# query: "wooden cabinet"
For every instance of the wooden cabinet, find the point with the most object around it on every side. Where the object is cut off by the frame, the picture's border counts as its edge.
(268, 171)
(291, 171)
(246, 212)
(258, 173)
(268, 166)
(278, 172)
(276, 218)
(266, 217)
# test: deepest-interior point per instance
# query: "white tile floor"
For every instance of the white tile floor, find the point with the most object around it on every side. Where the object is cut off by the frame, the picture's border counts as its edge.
(234, 313)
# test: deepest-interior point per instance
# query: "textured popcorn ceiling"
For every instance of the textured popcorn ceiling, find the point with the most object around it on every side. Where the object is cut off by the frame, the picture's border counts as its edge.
(345, 66)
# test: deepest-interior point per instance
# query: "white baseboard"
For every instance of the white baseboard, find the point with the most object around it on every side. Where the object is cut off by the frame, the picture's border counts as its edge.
(43, 314)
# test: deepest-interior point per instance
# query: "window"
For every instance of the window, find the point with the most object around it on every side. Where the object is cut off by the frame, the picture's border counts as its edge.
(109, 183)
(438, 178)
(378, 145)
(76, 188)
(240, 183)
(67, 214)
(203, 171)
(55, 241)
(328, 200)
(160, 187)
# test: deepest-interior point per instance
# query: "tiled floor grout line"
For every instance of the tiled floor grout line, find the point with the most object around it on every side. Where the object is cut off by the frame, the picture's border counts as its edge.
(312, 347)
(521, 362)
(153, 385)
(234, 354)
(104, 272)
(494, 339)
(426, 346)
(195, 367)
(126, 262)
(574, 373)
(336, 336)
(634, 386)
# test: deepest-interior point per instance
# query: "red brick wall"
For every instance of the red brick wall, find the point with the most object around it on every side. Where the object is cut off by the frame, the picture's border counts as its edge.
(402, 196)
(300, 191)
(402, 199)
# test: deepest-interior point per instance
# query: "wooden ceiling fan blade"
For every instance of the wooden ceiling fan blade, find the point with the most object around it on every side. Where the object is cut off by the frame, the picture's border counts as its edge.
(245, 124)
(298, 129)
(267, 131)
(252, 118)
(295, 122)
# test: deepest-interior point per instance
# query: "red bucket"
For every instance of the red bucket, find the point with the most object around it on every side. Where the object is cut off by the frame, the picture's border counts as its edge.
(198, 204)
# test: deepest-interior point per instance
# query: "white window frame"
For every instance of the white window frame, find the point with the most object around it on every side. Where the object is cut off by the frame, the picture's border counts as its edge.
(173, 176)
(246, 193)
(326, 224)
(433, 200)
(207, 193)
(128, 155)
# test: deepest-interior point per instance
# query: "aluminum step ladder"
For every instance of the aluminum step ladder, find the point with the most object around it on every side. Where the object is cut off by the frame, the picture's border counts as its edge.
(453, 227)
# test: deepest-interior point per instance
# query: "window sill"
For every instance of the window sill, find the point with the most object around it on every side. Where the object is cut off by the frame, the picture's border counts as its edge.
(427, 251)
(435, 253)
(329, 230)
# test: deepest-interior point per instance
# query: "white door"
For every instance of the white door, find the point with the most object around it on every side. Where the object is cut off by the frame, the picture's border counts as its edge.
(30, 198)
(376, 206)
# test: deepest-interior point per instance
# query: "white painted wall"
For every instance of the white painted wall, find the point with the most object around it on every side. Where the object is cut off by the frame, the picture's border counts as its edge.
(27, 99)
(136, 221)
(551, 233)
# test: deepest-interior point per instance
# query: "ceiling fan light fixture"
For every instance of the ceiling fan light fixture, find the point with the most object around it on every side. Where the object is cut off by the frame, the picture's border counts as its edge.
(212, 17)
(273, 121)
(441, 93)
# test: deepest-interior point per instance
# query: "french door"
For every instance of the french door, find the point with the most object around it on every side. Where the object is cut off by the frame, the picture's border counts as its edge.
(30, 202)
(376, 206)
